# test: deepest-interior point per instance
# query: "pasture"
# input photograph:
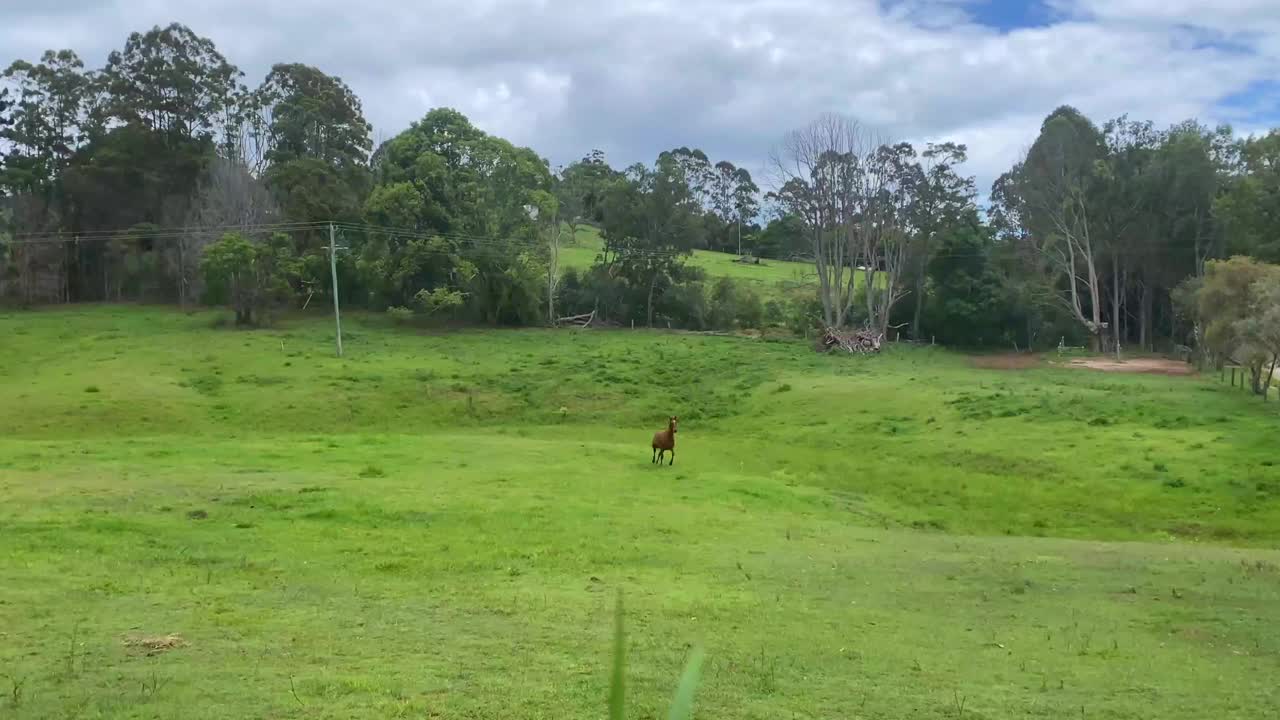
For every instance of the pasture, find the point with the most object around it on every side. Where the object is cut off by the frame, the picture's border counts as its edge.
(198, 522)
(770, 278)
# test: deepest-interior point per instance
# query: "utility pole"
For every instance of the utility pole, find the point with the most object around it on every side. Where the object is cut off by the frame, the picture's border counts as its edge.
(739, 233)
(333, 272)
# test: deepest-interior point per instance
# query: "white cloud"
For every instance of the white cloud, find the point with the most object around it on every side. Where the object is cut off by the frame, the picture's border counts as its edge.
(634, 77)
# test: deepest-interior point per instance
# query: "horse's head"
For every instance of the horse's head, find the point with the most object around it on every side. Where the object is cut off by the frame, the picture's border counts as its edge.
(671, 425)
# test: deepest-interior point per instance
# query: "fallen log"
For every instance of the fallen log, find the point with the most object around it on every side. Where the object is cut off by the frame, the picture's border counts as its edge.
(579, 321)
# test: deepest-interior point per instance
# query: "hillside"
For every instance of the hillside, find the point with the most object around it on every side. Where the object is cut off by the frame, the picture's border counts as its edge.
(769, 277)
(437, 525)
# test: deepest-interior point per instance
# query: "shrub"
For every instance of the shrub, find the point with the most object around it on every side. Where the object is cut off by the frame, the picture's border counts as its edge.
(750, 309)
(400, 315)
(804, 314)
(686, 305)
(775, 313)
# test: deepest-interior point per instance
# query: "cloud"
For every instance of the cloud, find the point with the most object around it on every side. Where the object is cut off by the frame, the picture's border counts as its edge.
(634, 77)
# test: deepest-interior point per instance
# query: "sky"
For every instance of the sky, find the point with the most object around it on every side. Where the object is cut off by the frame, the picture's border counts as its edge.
(635, 77)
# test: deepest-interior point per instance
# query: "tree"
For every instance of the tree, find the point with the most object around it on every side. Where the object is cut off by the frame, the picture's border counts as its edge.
(969, 302)
(444, 177)
(1178, 232)
(312, 115)
(1057, 190)
(697, 173)
(228, 196)
(939, 198)
(783, 237)
(1260, 331)
(822, 169)
(579, 190)
(1250, 208)
(746, 201)
(252, 277)
(1231, 303)
(175, 82)
(545, 210)
(650, 225)
(316, 143)
(42, 128)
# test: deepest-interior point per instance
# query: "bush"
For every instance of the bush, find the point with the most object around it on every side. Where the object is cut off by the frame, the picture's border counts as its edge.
(722, 305)
(750, 309)
(804, 314)
(686, 305)
(252, 277)
(775, 313)
(400, 315)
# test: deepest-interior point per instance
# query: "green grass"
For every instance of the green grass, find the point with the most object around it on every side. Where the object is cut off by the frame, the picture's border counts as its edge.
(770, 278)
(438, 526)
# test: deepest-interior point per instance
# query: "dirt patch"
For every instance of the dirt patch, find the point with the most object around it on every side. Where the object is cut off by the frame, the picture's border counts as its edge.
(154, 645)
(1156, 366)
(1008, 361)
(1027, 361)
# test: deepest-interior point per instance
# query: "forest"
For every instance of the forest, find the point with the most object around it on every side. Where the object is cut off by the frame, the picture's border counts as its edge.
(166, 176)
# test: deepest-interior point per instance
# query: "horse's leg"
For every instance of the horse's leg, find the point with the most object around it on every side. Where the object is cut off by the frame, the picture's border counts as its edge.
(655, 455)
(661, 453)
(673, 457)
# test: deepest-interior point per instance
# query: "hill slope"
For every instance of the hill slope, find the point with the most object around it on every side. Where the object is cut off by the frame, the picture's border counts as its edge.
(437, 524)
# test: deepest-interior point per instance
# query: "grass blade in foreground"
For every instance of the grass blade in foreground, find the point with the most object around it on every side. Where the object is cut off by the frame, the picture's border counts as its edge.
(682, 703)
(617, 683)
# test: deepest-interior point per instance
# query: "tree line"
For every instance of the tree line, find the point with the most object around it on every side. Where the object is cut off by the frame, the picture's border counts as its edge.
(165, 176)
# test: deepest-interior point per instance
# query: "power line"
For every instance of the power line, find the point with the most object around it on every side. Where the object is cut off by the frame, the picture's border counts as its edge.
(463, 240)
(157, 234)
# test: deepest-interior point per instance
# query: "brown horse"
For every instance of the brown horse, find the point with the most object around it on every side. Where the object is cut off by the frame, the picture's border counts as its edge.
(665, 441)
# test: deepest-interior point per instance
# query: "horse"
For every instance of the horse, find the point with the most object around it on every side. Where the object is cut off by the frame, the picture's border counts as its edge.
(664, 441)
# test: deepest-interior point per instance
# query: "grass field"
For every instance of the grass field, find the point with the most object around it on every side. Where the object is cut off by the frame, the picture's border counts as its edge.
(437, 526)
(770, 278)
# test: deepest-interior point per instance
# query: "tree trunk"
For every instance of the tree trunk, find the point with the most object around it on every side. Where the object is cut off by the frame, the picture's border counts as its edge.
(649, 304)
(1145, 312)
(1115, 305)
(182, 276)
(915, 316)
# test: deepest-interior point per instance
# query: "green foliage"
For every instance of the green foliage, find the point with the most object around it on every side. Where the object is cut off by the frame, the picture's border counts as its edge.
(461, 197)
(40, 119)
(1226, 296)
(172, 81)
(1250, 207)
(400, 315)
(580, 189)
(313, 115)
(253, 278)
(733, 304)
(317, 142)
(439, 301)
(1239, 305)
(968, 303)
(649, 227)
(686, 305)
(804, 314)
(783, 237)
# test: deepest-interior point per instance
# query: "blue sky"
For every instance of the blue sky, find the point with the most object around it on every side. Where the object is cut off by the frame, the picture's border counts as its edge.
(1011, 14)
(635, 77)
